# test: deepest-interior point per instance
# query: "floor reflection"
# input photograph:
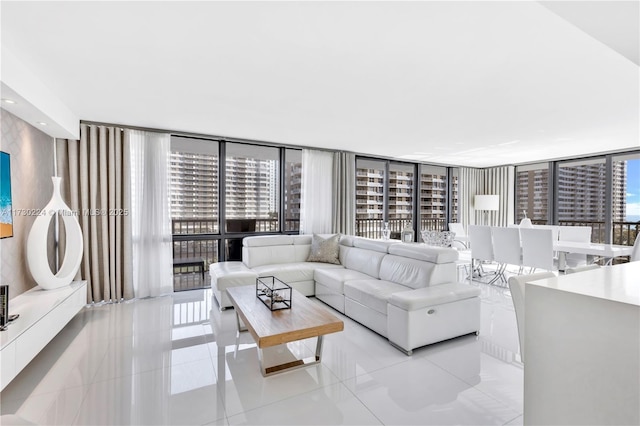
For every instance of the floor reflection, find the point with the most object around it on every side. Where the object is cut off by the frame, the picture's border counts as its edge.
(179, 359)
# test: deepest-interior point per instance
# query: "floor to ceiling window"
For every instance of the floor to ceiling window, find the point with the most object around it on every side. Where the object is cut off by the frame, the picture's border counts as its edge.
(601, 192)
(193, 198)
(433, 198)
(292, 189)
(257, 197)
(388, 191)
(401, 198)
(370, 197)
(626, 198)
(581, 195)
(252, 196)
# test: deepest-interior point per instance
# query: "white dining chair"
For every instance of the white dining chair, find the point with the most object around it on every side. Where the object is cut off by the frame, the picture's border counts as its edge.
(506, 250)
(555, 230)
(460, 239)
(537, 249)
(517, 288)
(580, 234)
(481, 247)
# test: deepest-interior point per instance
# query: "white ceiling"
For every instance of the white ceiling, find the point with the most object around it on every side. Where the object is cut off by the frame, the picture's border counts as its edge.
(467, 83)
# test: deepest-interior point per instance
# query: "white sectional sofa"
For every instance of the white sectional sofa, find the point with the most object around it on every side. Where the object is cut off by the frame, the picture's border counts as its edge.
(405, 292)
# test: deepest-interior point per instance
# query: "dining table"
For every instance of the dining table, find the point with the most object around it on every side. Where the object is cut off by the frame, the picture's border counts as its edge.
(606, 251)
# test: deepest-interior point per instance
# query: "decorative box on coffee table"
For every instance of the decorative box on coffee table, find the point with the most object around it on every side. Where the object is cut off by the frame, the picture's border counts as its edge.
(273, 293)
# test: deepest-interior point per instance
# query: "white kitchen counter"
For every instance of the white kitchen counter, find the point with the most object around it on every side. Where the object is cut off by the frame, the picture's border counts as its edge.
(582, 343)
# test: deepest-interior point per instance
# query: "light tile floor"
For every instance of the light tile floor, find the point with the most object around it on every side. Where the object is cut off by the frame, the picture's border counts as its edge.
(177, 360)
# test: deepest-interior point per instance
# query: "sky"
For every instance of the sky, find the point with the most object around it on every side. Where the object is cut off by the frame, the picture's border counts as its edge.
(633, 190)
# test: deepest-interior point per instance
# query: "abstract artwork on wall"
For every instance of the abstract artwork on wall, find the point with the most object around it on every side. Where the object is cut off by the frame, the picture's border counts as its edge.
(6, 216)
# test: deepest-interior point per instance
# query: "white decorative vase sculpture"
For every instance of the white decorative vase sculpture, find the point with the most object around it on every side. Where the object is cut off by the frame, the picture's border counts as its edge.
(525, 222)
(37, 253)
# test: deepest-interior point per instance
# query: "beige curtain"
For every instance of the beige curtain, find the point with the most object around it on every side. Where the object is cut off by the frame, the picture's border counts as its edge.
(97, 182)
(344, 193)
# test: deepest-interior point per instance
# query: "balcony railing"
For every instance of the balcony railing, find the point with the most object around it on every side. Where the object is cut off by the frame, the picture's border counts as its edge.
(372, 228)
(187, 226)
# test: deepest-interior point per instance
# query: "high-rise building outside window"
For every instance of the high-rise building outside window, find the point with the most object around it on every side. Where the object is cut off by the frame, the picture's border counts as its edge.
(400, 195)
(581, 194)
(252, 185)
(370, 183)
(433, 198)
(532, 193)
(193, 186)
(374, 207)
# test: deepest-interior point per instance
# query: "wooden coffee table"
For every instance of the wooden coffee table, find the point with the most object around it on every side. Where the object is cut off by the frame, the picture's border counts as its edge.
(305, 319)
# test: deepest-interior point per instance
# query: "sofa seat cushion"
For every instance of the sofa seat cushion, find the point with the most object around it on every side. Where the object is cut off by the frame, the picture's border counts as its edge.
(432, 296)
(231, 274)
(334, 278)
(293, 272)
(372, 293)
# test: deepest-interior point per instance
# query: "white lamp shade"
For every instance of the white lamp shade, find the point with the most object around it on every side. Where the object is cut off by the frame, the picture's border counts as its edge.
(486, 202)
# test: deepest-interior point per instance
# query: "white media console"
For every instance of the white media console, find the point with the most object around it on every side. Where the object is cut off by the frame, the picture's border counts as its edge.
(43, 313)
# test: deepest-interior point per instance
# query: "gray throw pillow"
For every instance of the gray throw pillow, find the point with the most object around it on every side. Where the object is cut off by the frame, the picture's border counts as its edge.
(325, 250)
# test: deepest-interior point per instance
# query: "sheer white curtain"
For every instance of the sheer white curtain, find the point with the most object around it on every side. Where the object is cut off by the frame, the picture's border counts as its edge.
(495, 180)
(150, 216)
(316, 203)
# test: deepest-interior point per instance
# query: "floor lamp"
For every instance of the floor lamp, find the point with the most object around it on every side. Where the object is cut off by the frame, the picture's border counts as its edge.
(486, 203)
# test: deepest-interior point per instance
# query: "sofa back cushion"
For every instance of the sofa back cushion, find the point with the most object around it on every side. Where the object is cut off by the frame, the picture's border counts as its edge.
(268, 255)
(273, 249)
(424, 252)
(373, 245)
(416, 273)
(362, 260)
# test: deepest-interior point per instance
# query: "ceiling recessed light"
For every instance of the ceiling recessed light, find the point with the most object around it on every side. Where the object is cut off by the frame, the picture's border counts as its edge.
(42, 123)
(8, 101)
